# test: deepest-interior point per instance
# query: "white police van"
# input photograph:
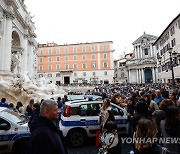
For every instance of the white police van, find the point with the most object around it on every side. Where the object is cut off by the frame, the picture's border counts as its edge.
(14, 132)
(79, 120)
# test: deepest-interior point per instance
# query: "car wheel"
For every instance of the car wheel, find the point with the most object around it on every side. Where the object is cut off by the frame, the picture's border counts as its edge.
(20, 147)
(77, 138)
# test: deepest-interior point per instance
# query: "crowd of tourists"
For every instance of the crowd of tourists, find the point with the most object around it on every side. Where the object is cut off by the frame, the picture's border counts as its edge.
(153, 116)
(153, 113)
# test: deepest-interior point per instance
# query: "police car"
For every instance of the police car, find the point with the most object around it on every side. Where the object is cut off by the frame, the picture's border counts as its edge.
(14, 132)
(79, 120)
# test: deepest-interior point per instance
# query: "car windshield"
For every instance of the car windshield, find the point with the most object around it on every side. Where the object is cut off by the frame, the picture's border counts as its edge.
(13, 116)
(75, 97)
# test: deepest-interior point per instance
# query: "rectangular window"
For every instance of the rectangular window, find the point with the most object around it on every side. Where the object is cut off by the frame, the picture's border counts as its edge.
(66, 50)
(41, 60)
(57, 51)
(49, 51)
(84, 65)
(92, 48)
(172, 31)
(66, 66)
(75, 74)
(75, 49)
(146, 51)
(105, 64)
(41, 67)
(83, 57)
(84, 73)
(105, 56)
(57, 67)
(40, 75)
(49, 67)
(66, 58)
(93, 56)
(74, 66)
(58, 75)
(41, 52)
(49, 75)
(93, 64)
(49, 59)
(105, 47)
(173, 42)
(57, 58)
(105, 73)
(93, 73)
(84, 49)
(75, 58)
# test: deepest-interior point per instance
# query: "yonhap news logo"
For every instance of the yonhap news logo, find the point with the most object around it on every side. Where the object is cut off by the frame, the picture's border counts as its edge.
(161, 140)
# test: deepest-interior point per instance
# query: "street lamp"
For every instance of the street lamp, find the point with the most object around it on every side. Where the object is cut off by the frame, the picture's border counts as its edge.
(173, 63)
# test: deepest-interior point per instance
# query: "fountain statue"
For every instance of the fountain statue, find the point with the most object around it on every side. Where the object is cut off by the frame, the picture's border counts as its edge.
(22, 88)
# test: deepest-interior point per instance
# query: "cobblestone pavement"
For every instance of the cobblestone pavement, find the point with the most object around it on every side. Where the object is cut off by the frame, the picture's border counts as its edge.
(90, 148)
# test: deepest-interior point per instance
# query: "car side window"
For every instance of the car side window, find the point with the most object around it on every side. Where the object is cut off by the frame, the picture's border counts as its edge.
(74, 111)
(116, 111)
(89, 109)
(4, 125)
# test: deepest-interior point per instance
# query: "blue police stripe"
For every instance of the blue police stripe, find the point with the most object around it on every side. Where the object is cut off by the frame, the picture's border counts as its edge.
(88, 122)
(7, 137)
(21, 135)
(13, 137)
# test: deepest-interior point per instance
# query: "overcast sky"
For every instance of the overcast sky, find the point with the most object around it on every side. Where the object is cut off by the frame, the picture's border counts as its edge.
(81, 21)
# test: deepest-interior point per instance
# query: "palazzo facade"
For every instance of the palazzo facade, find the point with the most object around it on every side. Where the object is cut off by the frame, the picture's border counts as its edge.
(18, 46)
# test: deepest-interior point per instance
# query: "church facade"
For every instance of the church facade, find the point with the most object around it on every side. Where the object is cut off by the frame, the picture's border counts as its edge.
(142, 67)
(18, 46)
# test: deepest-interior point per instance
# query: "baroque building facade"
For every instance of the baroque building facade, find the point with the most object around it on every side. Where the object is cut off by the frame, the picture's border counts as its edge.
(170, 38)
(18, 46)
(120, 68)
(142, 67)
(76, 63)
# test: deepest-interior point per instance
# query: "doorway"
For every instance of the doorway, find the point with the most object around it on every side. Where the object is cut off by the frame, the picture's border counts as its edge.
(66, 80)
(148, 75)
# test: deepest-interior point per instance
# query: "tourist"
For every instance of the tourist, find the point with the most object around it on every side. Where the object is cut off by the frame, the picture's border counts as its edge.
(172, 97)
(20, 107)
(109, 140)
(146, 130)
(106, 114)
(170, 128)
(11, 107)
(46, 138)
(35, 115)
(3, 103)
(29, 107)
(59, 102)
(160, 114)
(151, 104)
(158, 98)
(130, 111)
(141, 111)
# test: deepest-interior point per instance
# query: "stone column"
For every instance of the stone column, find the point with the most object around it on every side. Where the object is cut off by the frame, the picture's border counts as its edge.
(135, 53)
(30, 59)
(151, 50)
(140, 52)
(129, 72)
(137, 74)
(143, 79)
(25, 55)
(7, 44)
(153, 74)
(140, 78)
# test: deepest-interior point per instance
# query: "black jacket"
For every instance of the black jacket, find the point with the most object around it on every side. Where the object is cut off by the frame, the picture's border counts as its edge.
(46, 138)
